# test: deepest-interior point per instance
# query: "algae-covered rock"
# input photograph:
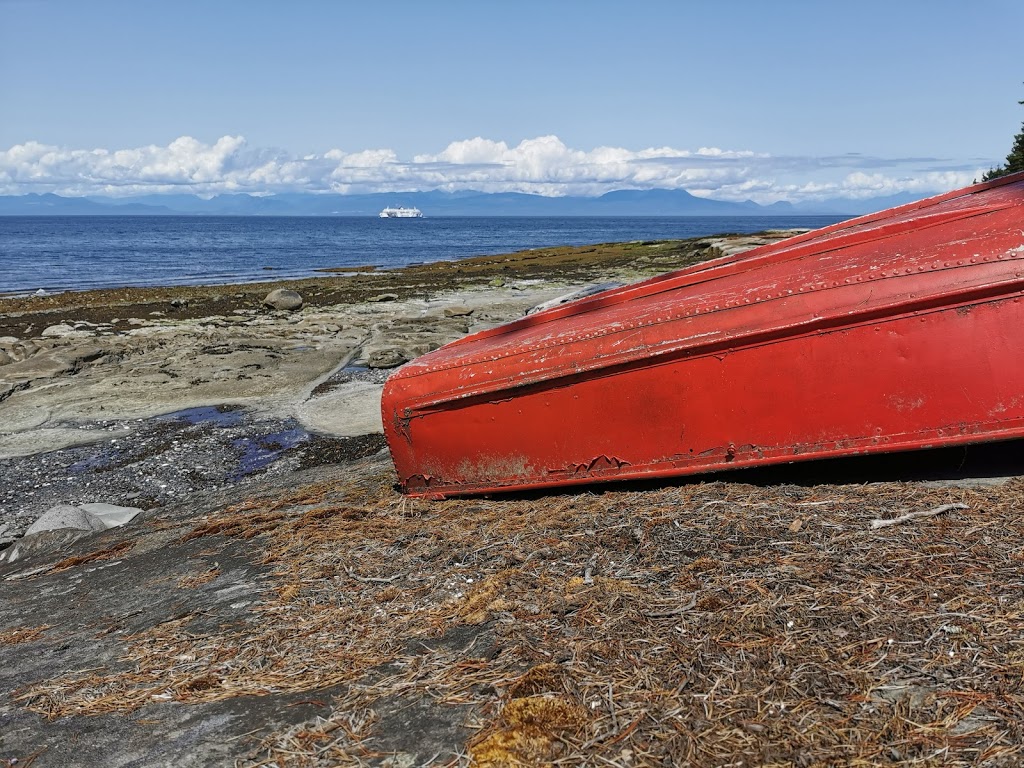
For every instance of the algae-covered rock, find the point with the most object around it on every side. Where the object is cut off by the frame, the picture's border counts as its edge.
(282, 298)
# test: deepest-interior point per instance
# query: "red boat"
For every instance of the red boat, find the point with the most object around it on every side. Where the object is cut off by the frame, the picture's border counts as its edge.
(896, 331)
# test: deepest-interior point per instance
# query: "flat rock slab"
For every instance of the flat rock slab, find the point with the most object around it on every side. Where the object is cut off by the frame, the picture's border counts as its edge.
(350, 410)
(48, 439)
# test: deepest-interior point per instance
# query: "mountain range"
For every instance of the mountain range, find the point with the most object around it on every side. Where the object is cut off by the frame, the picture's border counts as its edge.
(653, 202)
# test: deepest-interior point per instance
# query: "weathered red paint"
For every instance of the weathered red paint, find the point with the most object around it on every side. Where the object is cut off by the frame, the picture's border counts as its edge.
(895, 331)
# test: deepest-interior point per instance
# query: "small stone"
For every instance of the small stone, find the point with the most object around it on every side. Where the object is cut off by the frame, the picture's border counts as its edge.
(179, 303)
(384, 297)
(5, 358)
(283, 299)
(497, 282)
(458, 311)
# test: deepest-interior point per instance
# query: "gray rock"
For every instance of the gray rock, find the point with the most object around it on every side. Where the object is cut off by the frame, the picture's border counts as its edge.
(282, 298)
(386, 358)
(384, 297)
(110, 515)
(84, 517)
(458, 311)
(42, 543)
(62, 330)
(65, 516)
(5, 358)
(582, 293)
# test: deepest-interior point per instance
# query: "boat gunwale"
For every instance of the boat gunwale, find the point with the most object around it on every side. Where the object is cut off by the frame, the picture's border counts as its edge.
(976, 295)
(964, 434)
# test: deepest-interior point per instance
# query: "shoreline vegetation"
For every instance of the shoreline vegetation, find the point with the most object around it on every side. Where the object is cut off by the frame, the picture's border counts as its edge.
(278, 603)
(348, 285)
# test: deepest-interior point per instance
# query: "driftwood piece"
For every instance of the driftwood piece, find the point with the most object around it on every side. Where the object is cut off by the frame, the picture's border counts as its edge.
(880, 523)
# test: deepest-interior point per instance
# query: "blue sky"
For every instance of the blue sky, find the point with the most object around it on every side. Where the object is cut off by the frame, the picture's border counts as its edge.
(735, 100)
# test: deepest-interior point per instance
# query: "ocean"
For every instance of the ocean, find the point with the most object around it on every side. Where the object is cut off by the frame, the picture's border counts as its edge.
(62, 253)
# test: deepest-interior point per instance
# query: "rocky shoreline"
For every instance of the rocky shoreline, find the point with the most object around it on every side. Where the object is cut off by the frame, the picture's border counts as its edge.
(277, 602)
(141, 396)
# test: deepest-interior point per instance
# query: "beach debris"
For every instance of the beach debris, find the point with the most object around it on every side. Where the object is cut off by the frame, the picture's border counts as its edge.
(284, 299)
(881, 523)
(696, 590)
(387, 358)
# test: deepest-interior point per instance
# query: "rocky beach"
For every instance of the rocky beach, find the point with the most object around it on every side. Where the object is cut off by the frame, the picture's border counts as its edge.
(145, 395)
(277, 602)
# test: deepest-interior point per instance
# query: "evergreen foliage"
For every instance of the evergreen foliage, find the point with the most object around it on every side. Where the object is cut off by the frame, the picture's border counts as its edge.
(1014, 160)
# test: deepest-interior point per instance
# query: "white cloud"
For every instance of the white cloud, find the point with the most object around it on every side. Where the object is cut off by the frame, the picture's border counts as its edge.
(542, 165)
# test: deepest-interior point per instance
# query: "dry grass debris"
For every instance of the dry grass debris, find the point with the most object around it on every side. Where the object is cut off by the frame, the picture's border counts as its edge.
(696, 625)
(107, 553)
(19, 635)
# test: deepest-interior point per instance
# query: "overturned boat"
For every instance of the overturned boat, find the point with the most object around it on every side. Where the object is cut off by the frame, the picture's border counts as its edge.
(895, 331)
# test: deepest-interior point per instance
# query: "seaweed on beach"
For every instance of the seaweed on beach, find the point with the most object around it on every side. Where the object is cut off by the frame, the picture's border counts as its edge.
(705, 624)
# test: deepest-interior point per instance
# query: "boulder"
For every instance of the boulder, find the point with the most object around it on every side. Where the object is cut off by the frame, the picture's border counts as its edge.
(282, 298)
(386, 358)
(64, 331)
(65, 516)
(63, 524)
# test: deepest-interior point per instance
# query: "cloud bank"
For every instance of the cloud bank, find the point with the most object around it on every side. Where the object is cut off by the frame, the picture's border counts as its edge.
(542, 165)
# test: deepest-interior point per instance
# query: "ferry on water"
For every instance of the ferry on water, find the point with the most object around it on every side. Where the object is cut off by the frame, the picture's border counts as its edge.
(401, 213)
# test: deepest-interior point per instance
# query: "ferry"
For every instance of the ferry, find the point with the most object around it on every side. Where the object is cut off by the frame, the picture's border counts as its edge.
(401, 213)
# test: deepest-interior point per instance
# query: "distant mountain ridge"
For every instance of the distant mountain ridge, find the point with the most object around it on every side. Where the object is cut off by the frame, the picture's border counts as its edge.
(626, 202)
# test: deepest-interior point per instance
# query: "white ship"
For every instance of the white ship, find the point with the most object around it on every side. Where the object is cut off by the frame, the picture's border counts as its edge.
(401, 213)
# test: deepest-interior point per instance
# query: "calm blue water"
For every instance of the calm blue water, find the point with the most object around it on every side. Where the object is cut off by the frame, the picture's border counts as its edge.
(60, 253)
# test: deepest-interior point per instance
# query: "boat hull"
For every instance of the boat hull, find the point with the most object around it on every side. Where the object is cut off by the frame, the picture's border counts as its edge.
(833, 345)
